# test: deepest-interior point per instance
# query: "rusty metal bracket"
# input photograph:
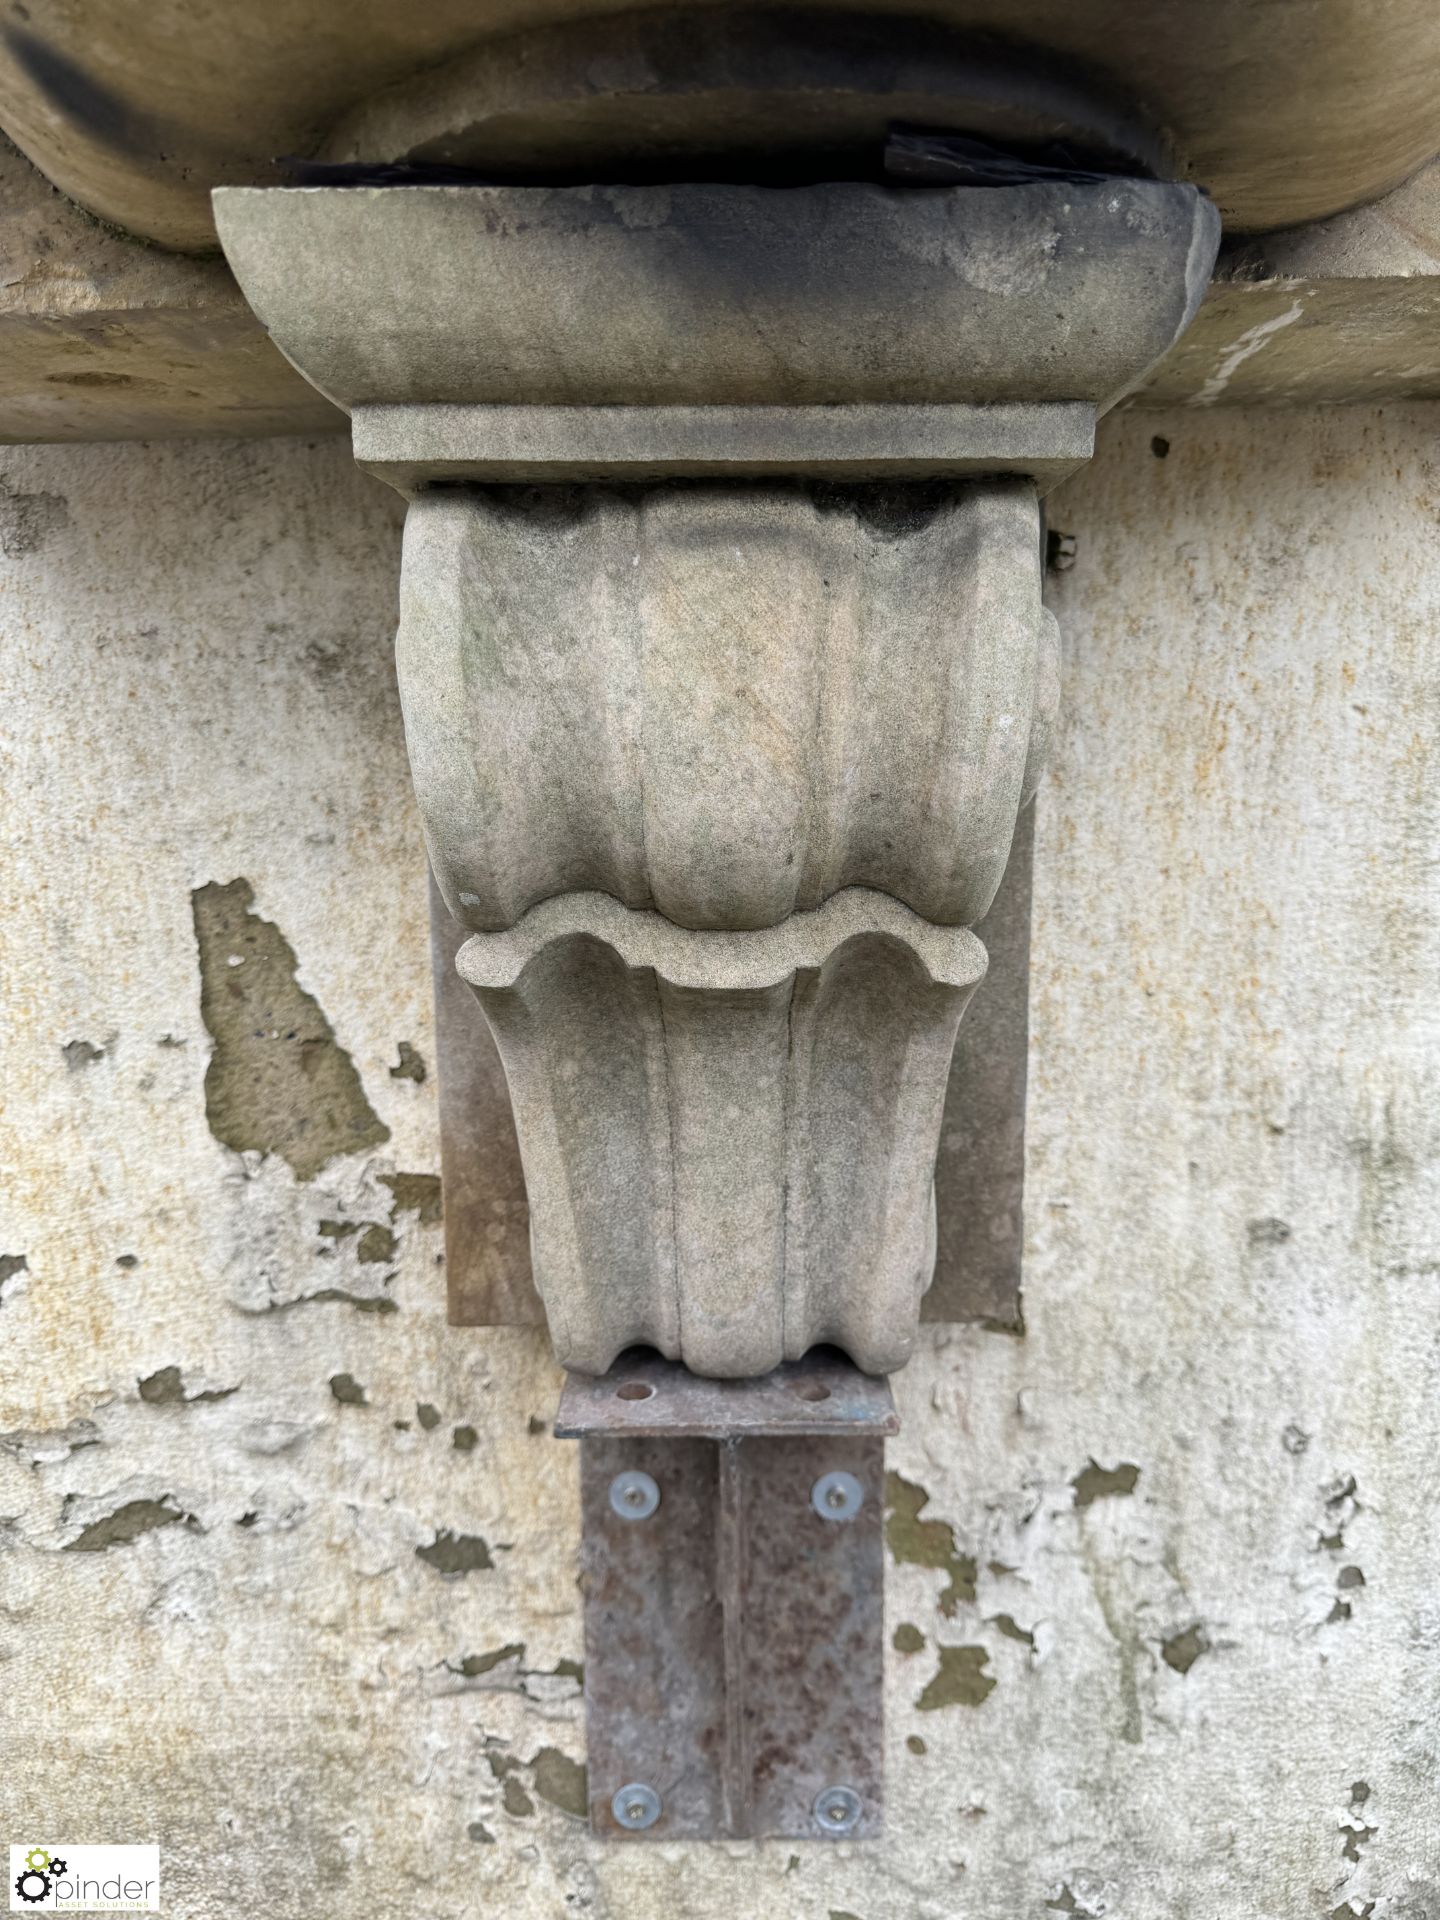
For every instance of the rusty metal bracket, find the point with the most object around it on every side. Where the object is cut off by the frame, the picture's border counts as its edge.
(733, 1574)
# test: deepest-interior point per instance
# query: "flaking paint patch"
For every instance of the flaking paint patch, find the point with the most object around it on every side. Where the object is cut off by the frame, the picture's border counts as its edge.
(411, 1065)
(457, 1553)
(417, 1193)
(1183, 1649)
(278, 1080)
(926, 1543)
(124, 1525)
(166, 1388)
(562, 1781)
(1095, 1482)
(960, 1680)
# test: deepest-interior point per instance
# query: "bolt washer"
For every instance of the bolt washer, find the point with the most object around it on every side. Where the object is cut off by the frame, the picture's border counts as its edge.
(634, 1495)
(637, 1806)
(838, 1810)
(837, 1496)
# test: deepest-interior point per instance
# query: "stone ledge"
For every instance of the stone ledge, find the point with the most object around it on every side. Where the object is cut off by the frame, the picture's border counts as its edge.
(105, 338)
(414, 445)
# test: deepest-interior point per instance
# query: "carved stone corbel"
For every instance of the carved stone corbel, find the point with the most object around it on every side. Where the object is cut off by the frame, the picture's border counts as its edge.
(725, 673)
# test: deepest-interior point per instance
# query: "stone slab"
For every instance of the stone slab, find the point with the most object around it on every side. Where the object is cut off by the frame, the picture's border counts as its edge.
(416, 446)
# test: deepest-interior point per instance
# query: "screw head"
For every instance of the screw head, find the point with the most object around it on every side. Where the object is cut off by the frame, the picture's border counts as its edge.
(634, 1496)
(837, 1496)
(837, 1810)
(636, 1807)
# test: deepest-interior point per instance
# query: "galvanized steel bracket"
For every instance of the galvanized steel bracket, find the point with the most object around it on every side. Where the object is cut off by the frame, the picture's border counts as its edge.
(733, 1575)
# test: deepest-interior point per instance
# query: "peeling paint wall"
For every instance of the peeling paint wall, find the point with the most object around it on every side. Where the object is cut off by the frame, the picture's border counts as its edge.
(287, 1567)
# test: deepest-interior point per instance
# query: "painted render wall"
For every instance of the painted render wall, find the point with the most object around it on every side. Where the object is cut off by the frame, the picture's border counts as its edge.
(287, 1575)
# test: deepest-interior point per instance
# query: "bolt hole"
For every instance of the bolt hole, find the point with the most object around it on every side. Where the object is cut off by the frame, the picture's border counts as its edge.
(635, 1390)
(812, 1390)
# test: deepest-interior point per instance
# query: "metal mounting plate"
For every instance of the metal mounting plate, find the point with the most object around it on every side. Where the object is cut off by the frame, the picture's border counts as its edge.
(734, 1627)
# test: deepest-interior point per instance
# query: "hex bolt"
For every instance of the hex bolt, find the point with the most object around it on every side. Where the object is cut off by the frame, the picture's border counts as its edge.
(634, 1496)
(837, 1496)
(636, 1807)
(837, 1810)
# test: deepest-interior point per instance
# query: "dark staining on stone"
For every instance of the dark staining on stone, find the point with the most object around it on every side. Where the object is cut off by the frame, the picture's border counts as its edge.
(347, 1390)
(27, 520)
(915, 1743)
(278, 1080)
(561, 1781)
(1268, 1232)
(165, 1388)
(1349, 1577)
(1347, 1910)
(1294, 1439)
(516, 1801)
(1003, 1623)
(1095, 1482)
(959, 1681)
(127, 1523)
(1064, 1902)
(411, 1067)
(11, 1264)
(477, 1830)
(417, 1193)
(336, 1231)
(843, 1913)
(536, 1425)
(1183, 1649)
(428, 1416)
(129, 1261)
(456, 1553)
(1359, 1792)
(376, 1246)
(80, 1054)
(247, 1519)
(1341, 1611)
(569, 1670)
(475, 1664)
(464, 1439)
(1159, 446)
(925, 1543)
(907, 1638)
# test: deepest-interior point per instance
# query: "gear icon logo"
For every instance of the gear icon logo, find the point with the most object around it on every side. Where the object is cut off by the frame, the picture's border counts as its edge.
(37, 1860)
(34, 1883)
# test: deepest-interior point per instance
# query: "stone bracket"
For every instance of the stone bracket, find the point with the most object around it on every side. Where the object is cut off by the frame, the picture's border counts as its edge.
(733, 1575)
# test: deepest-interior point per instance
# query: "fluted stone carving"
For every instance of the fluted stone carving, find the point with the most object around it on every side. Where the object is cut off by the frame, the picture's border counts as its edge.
(719, 743)
(719, 1128)
(724, 702)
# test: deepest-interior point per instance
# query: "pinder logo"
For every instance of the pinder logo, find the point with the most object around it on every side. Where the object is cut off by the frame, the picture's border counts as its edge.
(84, 1879)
